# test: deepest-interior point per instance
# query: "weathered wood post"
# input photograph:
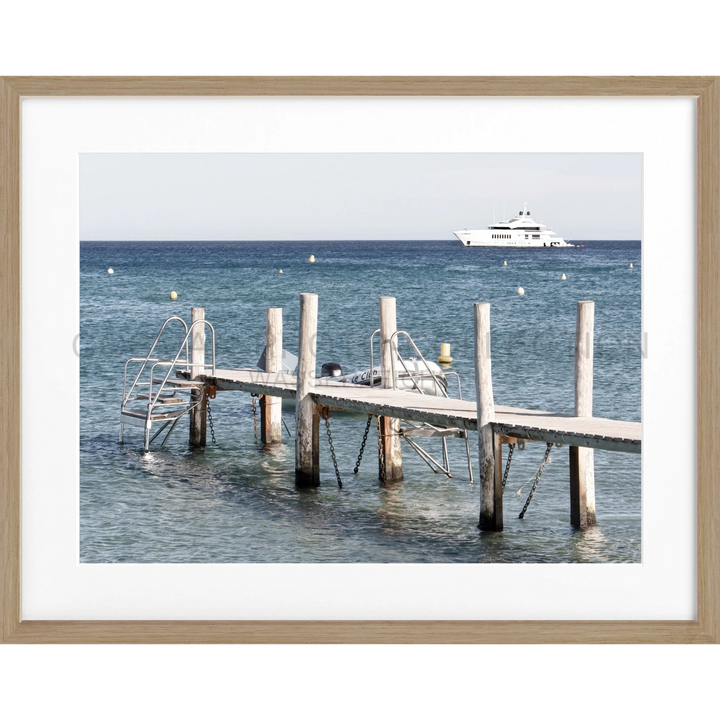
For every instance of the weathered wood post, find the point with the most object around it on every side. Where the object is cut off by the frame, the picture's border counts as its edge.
(198, 415)
(582, 465)
(271, 407)
(389, 427)
(489, 446)
(307, 413)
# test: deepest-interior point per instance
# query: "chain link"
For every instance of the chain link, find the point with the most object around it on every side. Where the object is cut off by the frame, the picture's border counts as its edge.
(254, 412)
(210, 420)
(326, 417)
(381, 452)
(511, 450)
(362, 446)
(537, 480)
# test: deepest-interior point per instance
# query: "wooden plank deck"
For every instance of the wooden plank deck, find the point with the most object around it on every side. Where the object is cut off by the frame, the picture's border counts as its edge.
(592, 432)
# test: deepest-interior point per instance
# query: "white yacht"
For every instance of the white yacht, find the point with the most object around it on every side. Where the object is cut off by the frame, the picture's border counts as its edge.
(520, 231)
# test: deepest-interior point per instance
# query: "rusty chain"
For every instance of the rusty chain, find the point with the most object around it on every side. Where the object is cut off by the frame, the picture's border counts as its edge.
(511, 450)
(210, 420)
(326, 417)
(381, 452)
(538, 474)
(362, 446)
(254, 412)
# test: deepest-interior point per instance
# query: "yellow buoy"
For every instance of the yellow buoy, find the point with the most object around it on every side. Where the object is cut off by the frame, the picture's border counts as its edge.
(520, 291)
(281, 272)
(445, 353)
(631, 264)
(504, 262)
(312, 258)
(562, 277)
(173, 295)
(110, 271)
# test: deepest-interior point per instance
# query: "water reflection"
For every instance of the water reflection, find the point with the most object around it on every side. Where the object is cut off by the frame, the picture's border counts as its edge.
(590, 545)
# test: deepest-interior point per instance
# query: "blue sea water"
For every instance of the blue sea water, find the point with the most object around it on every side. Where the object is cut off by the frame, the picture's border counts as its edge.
(236, 502)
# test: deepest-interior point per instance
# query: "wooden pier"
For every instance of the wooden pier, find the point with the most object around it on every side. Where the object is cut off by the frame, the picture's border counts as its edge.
(496, 425)
(588, 432)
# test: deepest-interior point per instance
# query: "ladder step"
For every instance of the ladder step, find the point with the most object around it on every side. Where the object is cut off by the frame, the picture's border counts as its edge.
(179, 383)
(164, 399)
(138, 417)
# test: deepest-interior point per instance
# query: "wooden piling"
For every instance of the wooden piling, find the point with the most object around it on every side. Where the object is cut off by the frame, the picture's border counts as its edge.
(582, 465)
(489, 446)
(307, 413)
(389, 427)
(198, 414)
(271, 407)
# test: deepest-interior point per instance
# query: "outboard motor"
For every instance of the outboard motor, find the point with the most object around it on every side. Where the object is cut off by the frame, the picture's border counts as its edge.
(331, 370)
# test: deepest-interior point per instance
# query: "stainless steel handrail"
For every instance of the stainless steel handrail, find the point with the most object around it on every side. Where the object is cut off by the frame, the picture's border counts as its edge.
(150, 352)
(409, 374)
(152, 402)
(420, 355)
(467, 436)
(416, 447)
(457, 377)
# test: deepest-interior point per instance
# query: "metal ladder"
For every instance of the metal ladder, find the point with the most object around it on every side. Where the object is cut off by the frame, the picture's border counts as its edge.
(408, 428)
(150, 400)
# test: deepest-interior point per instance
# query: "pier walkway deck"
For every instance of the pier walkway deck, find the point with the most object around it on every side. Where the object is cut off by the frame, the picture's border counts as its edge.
(590, 432)
(161, 401)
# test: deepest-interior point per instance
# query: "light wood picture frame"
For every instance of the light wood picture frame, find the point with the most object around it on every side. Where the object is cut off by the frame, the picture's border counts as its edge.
(705, 629)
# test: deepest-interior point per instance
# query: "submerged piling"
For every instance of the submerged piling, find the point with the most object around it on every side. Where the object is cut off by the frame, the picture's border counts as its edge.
(389, 428)
(307, 412)
(271, 407)
(582, 461)
(489, 447)
(198, 414)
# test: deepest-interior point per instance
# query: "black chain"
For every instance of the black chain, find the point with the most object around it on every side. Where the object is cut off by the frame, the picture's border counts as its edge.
(537, 480)
(381, 452)
(254, 412)
(362, 447)
(326, 416)
(511, 450)
(210, 420)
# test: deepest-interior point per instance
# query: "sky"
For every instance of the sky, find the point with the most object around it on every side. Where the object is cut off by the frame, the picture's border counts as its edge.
(354, 196)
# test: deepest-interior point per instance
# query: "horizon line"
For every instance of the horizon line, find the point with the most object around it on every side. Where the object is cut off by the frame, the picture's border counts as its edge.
(350, 240)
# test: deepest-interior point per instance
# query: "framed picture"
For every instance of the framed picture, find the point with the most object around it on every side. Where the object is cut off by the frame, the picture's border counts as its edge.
(360, 359)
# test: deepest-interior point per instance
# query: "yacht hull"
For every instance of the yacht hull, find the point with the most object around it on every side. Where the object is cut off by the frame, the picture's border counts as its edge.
(482, 238)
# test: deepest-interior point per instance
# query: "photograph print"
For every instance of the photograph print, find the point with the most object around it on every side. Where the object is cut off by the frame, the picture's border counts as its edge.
(360, 358)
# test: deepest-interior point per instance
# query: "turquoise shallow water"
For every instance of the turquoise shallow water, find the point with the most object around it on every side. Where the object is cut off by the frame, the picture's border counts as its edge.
(236, 501)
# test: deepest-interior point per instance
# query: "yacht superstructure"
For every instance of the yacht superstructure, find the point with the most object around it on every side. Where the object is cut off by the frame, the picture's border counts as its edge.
(520, 231)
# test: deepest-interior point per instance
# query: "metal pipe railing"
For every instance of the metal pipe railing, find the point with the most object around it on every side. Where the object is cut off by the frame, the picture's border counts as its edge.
(153, 401)
(150, 352)
(420, 355)
(457, 377)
